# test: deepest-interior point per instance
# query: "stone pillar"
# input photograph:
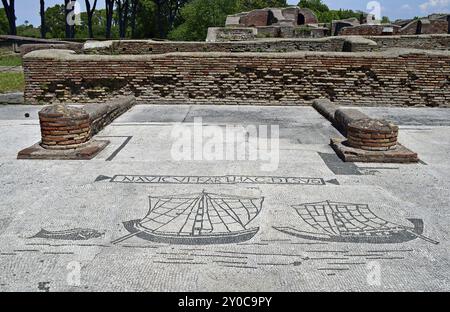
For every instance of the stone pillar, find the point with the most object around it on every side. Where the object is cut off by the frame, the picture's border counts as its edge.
(64, 127)
(372, 135)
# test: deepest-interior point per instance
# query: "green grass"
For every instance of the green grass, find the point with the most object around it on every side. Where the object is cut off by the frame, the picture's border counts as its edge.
(10, 60)
(11, 82)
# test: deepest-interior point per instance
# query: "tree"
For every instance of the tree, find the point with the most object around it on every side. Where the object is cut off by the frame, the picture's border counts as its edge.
(134, 8)
(122, 13)
(4, 26)
(315, 5)
(109, 16)
(325, 15)
(146, 20)
(42, 13)
(198, 15)
(55, 21)
(90, 12)
(159, 16)
(173, 11)
(10, 15)
(248, 5)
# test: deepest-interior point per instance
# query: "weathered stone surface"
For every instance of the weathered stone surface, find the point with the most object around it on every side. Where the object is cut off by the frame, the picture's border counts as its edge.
(221, 34)
(233, 20)
(12, 98)
(326, 108)
(344, 116)
(80, 152)
(104, 114)
(400, 154)
(27, 48)
(143, 47)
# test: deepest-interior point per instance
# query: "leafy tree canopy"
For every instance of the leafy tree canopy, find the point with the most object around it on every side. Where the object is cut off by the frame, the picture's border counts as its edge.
(316, 5)
(3, 22)
(198, 15)
(175, 19)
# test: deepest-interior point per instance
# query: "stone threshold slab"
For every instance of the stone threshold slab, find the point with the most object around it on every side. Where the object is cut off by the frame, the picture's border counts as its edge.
(400, 154)
(85, 152)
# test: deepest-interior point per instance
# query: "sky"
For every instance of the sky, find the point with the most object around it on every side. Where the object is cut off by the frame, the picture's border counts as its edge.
(28, 10)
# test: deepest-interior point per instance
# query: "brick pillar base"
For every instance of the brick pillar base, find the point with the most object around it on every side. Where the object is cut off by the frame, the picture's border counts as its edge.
(372, 135)
(64, 127)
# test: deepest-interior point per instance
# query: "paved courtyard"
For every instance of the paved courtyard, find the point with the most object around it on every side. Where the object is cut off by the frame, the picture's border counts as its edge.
(289, 248)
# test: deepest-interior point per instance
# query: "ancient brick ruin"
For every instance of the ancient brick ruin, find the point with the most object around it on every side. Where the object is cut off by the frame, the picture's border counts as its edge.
(67, 130)
(367, 139)
(372, 135)
(64, 127)
(390, 77)
(290, 22)
(295, 22)
(264, 57)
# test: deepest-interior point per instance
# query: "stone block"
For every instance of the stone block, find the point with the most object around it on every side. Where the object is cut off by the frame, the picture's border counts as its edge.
(79, 152)
(326, 108)
(400, 154)
(344, 116)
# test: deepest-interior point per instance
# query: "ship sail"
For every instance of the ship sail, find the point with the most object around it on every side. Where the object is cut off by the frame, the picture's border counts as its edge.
(204, 218)
(355, 223)
(200, 213)
(344, 218)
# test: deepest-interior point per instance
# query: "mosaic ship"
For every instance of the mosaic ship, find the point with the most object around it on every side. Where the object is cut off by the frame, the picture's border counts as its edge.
(196, 219)
(352, 223)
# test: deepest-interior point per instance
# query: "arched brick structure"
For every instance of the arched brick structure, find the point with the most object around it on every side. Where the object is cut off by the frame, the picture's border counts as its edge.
(419, 27)
(271, 19)
(307, 16)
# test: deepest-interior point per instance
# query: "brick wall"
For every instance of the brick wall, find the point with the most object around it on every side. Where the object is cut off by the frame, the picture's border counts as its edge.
(410, 28)
(414, 78)
(27, 48)
(370, 30)
(333, 44)
(435, 27)
(135, 47)
(428, 42)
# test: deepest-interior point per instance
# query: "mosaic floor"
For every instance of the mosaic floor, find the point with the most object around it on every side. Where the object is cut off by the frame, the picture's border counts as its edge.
(135, 219)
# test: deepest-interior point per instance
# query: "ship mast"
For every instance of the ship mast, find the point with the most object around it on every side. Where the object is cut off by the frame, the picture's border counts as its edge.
(198, 223)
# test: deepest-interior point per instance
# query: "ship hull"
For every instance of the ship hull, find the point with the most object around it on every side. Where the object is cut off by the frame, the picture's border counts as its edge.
(394, 238)
(134, 227)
